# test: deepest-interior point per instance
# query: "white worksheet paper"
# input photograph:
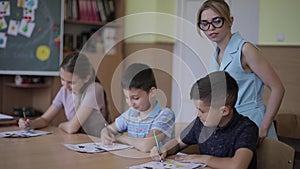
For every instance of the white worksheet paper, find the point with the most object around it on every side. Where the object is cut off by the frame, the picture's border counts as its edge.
(5, 117)
(23, 133)
(96, 147)
(168, 164)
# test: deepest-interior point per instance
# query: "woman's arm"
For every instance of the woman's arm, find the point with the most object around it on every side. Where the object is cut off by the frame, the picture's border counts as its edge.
(254, 61)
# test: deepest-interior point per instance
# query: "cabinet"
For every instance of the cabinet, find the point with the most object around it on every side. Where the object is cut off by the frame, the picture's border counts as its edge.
(105, 63)
(37, 96)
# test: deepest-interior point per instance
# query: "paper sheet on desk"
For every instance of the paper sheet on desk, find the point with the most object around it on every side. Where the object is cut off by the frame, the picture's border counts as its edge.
(23, 133)
(168, 164)
(85, 148)
(96, 147)
(5, 117)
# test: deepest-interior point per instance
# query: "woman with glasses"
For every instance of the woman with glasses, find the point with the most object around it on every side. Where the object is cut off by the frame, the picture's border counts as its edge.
(81, 97)
(244, 62)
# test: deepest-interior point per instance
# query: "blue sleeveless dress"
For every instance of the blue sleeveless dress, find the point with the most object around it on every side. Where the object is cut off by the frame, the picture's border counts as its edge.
(250, 96)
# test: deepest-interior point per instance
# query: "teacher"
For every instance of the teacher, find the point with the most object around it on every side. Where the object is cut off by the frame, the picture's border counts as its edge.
(245, 63)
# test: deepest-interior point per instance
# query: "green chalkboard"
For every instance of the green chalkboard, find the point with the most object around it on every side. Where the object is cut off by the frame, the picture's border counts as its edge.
(38, 52)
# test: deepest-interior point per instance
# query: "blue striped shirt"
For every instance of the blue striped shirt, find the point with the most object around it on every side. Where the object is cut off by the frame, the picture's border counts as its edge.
(159, 118)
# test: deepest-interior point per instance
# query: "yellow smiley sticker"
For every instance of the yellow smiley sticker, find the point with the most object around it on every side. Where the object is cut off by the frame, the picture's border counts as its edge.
(43, 52)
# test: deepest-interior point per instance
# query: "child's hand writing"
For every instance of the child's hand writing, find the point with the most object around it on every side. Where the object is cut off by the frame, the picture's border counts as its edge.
(24, 123)
(156, 156)
(107, 137)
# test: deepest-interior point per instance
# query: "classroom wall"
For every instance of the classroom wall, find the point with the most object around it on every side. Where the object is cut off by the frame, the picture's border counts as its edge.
(152, 22)
(279, 22)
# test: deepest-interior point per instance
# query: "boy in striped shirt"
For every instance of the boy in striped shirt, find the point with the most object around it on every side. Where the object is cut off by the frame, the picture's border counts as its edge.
(145, 113)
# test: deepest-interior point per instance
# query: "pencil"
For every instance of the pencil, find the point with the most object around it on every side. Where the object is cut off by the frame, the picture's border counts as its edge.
(25, 118)
(24, 115)
(108, 131)
(157, 145)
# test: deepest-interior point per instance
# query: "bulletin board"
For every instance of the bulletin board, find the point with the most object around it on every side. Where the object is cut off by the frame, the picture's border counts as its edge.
(31, 36)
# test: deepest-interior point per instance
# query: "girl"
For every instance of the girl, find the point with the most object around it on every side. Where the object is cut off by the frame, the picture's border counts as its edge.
(81, 96)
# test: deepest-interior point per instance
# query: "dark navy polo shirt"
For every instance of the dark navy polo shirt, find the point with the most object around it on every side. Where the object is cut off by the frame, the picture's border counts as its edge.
(239, 132)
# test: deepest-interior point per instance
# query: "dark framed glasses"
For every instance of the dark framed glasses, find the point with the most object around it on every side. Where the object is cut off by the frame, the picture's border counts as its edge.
(216, 22)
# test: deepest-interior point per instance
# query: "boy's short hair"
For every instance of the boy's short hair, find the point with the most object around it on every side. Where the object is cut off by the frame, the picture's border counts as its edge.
(139, 76)
(216, 89)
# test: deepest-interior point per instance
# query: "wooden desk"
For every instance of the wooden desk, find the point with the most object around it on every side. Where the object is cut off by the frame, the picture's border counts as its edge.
(48, 152)
(11, 122)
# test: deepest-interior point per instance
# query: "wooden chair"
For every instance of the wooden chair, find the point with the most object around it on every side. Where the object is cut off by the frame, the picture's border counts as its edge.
(288, 125)
(274, 154)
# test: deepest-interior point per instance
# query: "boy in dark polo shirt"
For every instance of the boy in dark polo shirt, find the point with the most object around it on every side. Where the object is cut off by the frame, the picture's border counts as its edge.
(225, 138)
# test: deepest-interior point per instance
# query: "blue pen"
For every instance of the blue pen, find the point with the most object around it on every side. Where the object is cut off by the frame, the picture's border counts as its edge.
(157, 145)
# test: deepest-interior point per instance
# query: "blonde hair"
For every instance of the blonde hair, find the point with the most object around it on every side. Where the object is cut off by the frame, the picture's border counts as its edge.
(218, 6)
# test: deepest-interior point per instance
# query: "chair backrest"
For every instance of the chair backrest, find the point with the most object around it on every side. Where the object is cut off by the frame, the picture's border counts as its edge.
(288, 125)
(274, 154)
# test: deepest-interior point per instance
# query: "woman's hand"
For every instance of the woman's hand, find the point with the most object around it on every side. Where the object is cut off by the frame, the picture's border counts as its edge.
(262, 135)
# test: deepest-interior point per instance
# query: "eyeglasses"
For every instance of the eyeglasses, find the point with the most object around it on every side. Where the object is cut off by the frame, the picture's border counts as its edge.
(216, 22)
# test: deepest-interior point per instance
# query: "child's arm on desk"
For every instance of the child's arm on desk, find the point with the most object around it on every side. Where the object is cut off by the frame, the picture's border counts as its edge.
(39, 122)
(77, 121)
(142, 144)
